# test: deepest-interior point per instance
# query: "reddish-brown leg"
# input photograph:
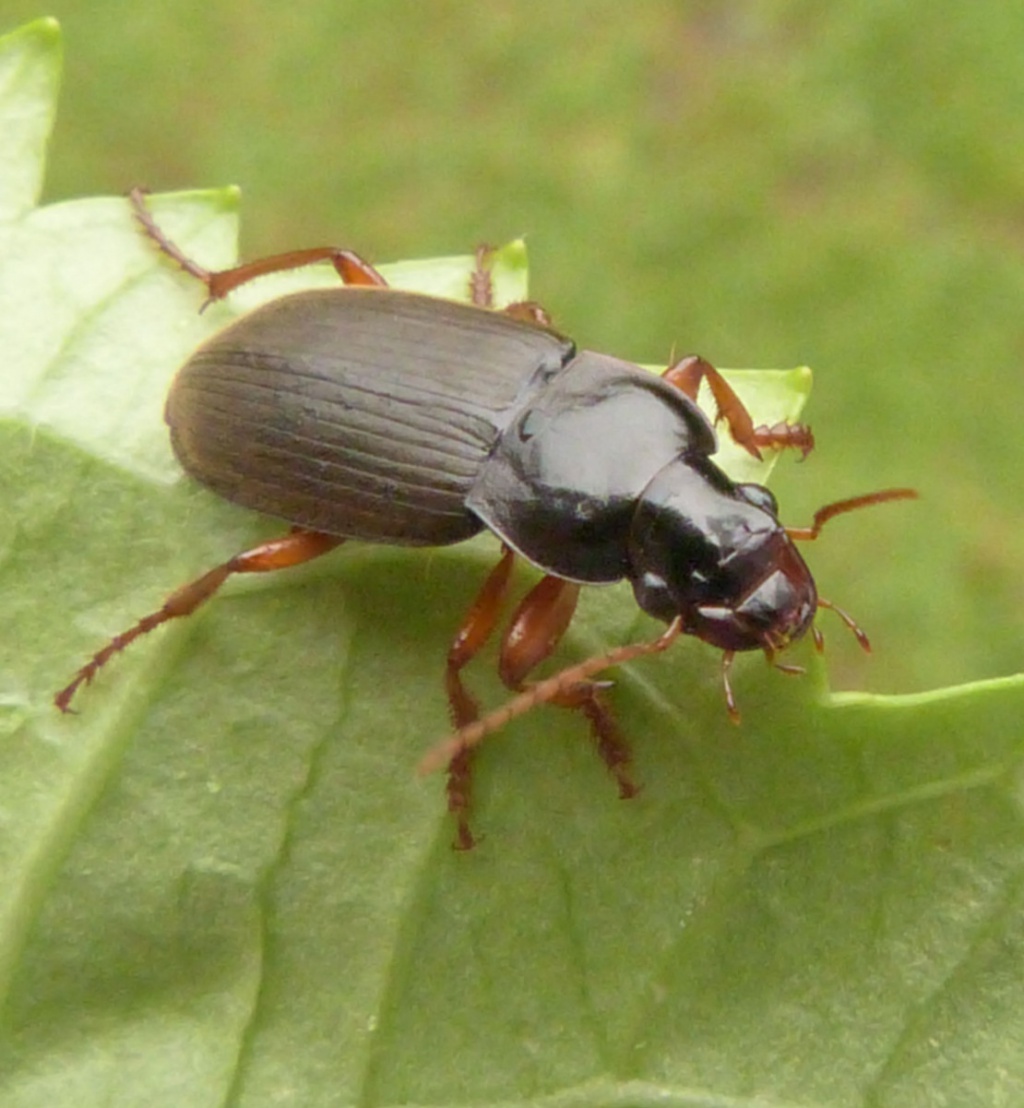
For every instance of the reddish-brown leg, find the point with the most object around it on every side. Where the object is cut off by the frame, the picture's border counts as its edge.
(536, 628)
(293, 549)
(351, 268)
(481, 292)
(528, 311)
(481, 286)
(687, 374)
(476, 629)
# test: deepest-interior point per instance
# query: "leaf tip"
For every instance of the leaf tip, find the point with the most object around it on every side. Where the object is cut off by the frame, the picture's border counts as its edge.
(46, 32)
(47, 28)
(513, 253)
(803, 378)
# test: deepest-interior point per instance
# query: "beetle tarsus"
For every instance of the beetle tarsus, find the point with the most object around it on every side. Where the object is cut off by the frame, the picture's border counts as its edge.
(459, 789)
(612, 744)
(151, 229)
(350, 267)
(293, 549)
(785, 436)
(481, 284)
(481, 292)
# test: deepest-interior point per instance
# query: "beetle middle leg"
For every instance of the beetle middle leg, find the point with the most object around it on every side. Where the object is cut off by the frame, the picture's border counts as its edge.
(687, 374)
(536, 628)
(350, 267)
(481, 292)
(293, 549)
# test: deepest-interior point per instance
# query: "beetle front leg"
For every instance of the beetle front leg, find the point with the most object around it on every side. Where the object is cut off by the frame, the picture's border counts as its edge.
(293, 549)
(687, 374)
(476, 629)
(536, 628)
(351, 268)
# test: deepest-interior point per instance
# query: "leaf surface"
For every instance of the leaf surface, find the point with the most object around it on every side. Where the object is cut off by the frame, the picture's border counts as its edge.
(224, 883)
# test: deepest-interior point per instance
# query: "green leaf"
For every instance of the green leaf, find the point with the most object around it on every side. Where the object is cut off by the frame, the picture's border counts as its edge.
(224, 882)
(29, 77)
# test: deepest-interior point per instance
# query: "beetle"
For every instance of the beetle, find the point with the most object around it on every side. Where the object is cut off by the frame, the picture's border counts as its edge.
(368, 413)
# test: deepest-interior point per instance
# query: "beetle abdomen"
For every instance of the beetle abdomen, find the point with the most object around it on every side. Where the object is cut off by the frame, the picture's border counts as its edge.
(358, 412)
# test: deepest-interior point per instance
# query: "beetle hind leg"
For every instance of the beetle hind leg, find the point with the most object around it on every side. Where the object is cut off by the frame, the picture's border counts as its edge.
(350, 267)
(293, 549)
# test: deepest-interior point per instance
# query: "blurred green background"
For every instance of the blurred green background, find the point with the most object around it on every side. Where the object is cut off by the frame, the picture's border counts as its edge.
(768, 183)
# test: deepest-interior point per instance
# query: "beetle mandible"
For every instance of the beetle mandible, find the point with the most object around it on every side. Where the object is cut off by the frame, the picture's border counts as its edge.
(367, 413)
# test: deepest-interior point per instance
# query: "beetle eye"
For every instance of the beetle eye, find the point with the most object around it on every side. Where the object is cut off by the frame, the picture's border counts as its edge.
(760, 497)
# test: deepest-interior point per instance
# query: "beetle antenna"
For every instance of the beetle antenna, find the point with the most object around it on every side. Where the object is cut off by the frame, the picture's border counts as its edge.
(838, 507)
(821, 517)
(850, 622)
(465, 738)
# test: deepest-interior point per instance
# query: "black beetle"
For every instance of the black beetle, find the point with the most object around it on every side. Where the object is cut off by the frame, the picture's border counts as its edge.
(368, 413)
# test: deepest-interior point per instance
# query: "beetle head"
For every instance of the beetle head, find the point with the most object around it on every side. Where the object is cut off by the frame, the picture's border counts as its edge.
(714, 552)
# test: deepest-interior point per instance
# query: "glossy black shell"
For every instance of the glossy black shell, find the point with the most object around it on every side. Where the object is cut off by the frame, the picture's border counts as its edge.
(358, 412)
